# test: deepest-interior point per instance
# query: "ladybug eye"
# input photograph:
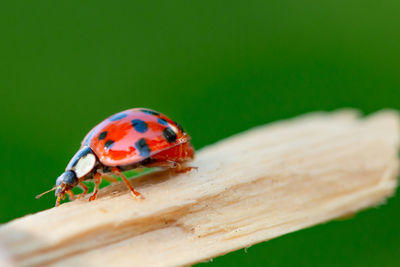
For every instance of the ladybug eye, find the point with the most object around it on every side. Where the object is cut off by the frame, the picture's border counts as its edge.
(59, 180)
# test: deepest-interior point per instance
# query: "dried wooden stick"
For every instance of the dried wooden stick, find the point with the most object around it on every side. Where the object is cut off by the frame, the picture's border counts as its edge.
(249, 188)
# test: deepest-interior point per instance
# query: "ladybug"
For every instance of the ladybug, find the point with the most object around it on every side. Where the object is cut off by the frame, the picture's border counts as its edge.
(127, 140)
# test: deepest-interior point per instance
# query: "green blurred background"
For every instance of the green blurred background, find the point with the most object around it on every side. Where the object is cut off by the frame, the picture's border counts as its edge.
(217, 67)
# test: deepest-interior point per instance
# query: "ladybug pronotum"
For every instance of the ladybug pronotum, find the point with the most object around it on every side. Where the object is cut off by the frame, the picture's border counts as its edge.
(128, 140)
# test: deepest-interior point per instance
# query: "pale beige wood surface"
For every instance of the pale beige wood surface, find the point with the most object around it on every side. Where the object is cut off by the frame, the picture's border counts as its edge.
(249, 188)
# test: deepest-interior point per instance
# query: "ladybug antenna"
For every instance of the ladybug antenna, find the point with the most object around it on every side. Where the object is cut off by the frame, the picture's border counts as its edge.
(40, 195)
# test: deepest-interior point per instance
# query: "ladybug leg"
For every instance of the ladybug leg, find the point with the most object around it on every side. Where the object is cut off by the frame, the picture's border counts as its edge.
(179, 168)
(70, 194)
(59, 198)
(97, 180)
(84, 188)
(118, 172)
(183, 169)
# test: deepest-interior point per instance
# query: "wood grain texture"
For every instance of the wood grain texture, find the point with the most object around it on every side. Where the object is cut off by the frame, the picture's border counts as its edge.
(249, 188)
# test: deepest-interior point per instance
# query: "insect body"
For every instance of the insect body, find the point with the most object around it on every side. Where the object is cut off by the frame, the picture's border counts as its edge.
(127, 140)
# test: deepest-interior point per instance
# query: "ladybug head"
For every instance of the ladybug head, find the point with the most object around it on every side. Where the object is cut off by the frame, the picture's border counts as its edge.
(81, 167)
(65, 182)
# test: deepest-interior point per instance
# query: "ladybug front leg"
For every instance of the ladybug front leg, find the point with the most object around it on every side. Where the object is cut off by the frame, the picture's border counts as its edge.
(59, 198)
(118, 172)
(84, 188)
(70, 194)
(97, 181)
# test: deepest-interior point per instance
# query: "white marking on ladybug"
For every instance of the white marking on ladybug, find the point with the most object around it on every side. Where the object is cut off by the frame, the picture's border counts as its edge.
(84, 165)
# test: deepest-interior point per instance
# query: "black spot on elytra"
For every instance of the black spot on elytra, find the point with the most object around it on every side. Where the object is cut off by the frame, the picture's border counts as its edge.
(102, 135)
(179, 126)
(149, 111)
(142, 147)
(109, 144)
(162, 121)
(169, 135)
(139, 126)
(118, 116)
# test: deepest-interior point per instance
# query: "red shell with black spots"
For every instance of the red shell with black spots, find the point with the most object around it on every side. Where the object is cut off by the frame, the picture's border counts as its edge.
(133, 135)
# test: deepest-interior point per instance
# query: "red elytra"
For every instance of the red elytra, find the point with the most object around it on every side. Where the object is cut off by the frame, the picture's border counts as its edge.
(130, 139)
(116, 140)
